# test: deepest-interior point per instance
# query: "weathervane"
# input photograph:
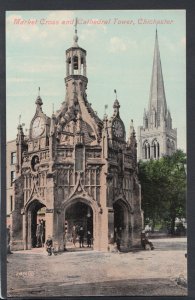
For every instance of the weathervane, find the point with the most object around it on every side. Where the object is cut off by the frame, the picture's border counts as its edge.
(105, 107)
(115, 93)
(19, 120)
(76, 21)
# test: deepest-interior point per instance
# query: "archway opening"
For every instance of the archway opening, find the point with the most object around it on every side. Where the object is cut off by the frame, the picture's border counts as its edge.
(121, 222)
(77, 215)
(36, 225)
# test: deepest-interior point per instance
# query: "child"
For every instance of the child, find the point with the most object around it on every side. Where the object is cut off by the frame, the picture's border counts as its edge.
(49, 246)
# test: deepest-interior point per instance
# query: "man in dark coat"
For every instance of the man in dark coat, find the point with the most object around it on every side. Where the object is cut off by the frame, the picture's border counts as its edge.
(88, 238)
(81, 237)
(39, 234)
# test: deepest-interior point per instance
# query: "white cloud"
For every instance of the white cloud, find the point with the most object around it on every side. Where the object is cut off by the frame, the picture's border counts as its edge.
(36, 67)
(37, 32)
(118, 44)
(171, 46)
(21, 32)
(87, 34)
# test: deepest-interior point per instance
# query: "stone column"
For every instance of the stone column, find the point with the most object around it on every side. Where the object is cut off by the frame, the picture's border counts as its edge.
(84, 68)
(28, 233)
(110, 225)
(79, 64)
(72, 66)
(17, 242)
(67, 67)
(103, 229)
(50, 199)
(25, 232)
(58, 230)
(49, 216)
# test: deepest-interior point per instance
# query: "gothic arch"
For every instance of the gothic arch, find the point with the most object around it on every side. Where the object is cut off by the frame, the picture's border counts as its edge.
(156, 149)
(96, 210)
(122, 220)
(124, 203)
(31, 201)
(30, 213)
(82, 198)
(146, 149)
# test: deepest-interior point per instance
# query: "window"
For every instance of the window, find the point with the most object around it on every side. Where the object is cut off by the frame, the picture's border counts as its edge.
(12, 177)
(146, 150)
(13, 158)
(154, 150)
(145, 156)
(158, 150)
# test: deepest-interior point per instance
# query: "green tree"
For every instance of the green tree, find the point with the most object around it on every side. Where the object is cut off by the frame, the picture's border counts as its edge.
(163, 184)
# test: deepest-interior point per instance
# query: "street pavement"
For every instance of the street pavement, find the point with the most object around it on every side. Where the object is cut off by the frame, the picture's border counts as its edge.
(84, 272)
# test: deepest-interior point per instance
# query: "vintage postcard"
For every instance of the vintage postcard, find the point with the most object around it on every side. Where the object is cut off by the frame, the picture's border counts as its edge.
(96, 153)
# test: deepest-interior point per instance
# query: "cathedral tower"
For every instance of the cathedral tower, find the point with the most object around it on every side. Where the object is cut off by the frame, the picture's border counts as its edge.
(156, 137)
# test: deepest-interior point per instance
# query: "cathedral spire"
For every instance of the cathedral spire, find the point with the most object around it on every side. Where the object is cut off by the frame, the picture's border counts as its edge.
(157, 100)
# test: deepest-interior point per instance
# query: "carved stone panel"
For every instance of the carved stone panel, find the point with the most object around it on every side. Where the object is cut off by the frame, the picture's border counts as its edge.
(79, 158)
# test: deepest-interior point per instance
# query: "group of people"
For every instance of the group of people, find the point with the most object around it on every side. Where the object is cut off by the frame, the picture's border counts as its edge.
(145, 243)
(77, 232)
(81, 234)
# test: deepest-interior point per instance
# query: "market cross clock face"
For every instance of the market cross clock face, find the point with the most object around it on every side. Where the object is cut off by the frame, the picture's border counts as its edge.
(38, 127)
(117, 128)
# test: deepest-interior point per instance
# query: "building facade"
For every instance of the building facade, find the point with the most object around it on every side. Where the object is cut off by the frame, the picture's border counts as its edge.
(76, 169)
(156, 137)
(10, 176)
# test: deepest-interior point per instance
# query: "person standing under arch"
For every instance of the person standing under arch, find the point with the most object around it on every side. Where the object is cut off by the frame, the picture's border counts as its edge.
(39, 234)
(81, 237)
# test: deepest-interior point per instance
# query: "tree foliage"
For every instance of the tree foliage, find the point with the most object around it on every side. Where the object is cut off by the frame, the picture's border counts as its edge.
(163, 184)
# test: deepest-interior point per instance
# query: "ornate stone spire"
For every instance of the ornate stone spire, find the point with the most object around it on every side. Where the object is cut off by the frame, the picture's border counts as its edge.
(116, 105)
(39, 101)
(20, 134)
(157, 100)
(132, 130)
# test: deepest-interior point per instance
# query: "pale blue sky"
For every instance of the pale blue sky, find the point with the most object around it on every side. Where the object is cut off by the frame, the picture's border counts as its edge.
(119, 56)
